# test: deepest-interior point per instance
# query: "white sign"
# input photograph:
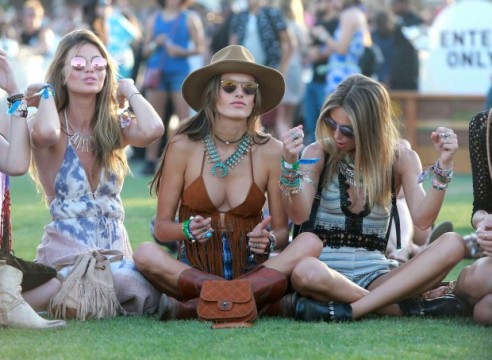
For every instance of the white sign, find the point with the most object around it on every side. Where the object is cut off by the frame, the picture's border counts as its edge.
(459, 57)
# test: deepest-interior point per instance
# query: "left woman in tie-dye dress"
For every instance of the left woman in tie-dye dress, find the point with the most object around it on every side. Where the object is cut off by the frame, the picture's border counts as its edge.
(78, 142)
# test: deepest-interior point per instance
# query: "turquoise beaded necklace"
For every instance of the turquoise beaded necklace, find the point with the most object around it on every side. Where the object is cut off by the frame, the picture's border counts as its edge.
(220, 168)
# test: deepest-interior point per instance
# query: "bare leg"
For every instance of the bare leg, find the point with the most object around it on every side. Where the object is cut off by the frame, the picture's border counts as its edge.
(159, 268)
(414, 277)
(305, 245)
(314, 279)
(40, 297)
(474, 284)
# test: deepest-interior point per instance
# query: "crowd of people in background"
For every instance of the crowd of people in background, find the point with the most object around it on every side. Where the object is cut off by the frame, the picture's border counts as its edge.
(289, 35)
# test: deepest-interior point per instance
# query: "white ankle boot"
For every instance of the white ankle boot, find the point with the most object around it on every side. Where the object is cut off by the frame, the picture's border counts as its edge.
(14, 311)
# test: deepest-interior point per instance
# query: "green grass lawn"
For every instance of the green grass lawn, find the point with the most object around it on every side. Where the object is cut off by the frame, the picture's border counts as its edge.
(145, 337)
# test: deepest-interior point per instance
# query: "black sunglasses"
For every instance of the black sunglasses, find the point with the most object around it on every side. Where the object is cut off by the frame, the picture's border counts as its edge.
(229, 86)
(345, 130)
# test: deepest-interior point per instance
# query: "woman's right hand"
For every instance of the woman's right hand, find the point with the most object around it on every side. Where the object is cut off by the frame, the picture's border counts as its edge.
(201, 228)
(31, 94)
(7, 78)
(293, 141)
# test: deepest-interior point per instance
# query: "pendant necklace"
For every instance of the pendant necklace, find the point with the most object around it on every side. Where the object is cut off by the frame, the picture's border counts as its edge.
(347, 169)
(219, 168)
(229, 142)
(84, 143)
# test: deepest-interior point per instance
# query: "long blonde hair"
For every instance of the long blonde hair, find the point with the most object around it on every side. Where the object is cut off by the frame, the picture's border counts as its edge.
(368, 107)
(108, 142)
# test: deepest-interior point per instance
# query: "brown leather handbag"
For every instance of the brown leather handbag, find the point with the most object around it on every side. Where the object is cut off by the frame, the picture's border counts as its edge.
(228, 304)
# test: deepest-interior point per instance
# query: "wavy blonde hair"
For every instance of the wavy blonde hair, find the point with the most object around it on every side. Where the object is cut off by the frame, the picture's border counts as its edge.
(368, 107)
(108, 142)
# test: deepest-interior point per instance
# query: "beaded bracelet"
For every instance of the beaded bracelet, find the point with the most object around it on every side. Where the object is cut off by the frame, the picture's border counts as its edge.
(14, 98)
(436, 184)
(185, 227)
(444, 173)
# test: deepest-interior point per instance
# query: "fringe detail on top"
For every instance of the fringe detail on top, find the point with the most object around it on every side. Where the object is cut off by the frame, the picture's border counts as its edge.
(5, 224)
(207, 256)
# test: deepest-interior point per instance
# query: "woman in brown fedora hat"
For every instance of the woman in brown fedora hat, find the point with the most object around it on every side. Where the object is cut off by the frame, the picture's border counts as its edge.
(220, 169)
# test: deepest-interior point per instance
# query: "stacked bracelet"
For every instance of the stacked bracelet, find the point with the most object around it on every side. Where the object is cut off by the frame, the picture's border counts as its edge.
(290, 178)
(18, 108)
(185, 227)
(442, 177)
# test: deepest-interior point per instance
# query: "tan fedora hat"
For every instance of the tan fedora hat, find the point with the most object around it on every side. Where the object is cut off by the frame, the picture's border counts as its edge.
(235, 59)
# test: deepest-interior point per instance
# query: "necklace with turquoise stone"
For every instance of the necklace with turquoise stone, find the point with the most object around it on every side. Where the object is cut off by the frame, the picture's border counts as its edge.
(220, 168)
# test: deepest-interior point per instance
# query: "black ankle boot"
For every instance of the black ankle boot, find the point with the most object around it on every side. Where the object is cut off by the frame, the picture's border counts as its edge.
(312, 310)
(448, 305)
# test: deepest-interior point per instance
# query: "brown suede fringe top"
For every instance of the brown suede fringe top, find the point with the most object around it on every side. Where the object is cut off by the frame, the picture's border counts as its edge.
(238, 222)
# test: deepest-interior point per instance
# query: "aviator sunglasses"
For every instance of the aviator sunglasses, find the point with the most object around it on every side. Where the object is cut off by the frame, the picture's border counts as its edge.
(345, 130)
(229, 86)
(79, 63)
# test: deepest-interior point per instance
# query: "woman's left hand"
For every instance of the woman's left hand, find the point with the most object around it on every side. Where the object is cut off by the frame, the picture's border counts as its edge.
(258, 241)
(446, 143)
(484, 235)
(126, 87)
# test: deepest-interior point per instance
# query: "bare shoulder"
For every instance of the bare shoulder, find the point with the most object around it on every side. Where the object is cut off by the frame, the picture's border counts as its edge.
(408, 159)
(270, 149)
(180, 142)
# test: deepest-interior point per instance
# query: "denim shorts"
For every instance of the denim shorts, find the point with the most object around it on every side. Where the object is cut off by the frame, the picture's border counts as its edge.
(226, 258)
(359, 265)
(172, 81)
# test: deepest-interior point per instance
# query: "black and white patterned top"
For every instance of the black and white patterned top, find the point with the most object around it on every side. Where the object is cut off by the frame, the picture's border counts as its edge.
(482, 182)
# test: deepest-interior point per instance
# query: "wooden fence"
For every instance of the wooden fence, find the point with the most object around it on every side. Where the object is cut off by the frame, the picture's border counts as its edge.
(420, 114)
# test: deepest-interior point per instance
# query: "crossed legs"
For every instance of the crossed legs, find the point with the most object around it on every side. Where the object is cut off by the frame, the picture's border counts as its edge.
(312, 278)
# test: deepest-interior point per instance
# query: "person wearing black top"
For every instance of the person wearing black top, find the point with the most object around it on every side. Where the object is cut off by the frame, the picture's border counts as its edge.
(474, 284)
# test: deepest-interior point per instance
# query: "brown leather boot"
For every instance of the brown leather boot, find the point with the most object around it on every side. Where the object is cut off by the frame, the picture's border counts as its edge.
(172, 309)
(190, 282)
(284, 307)
(268, 285)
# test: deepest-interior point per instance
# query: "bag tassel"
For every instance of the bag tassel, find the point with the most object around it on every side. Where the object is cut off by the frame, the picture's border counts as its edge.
(95, 299)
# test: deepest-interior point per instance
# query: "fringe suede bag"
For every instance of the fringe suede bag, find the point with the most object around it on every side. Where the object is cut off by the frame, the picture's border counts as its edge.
(88, 291)
(228, 304)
